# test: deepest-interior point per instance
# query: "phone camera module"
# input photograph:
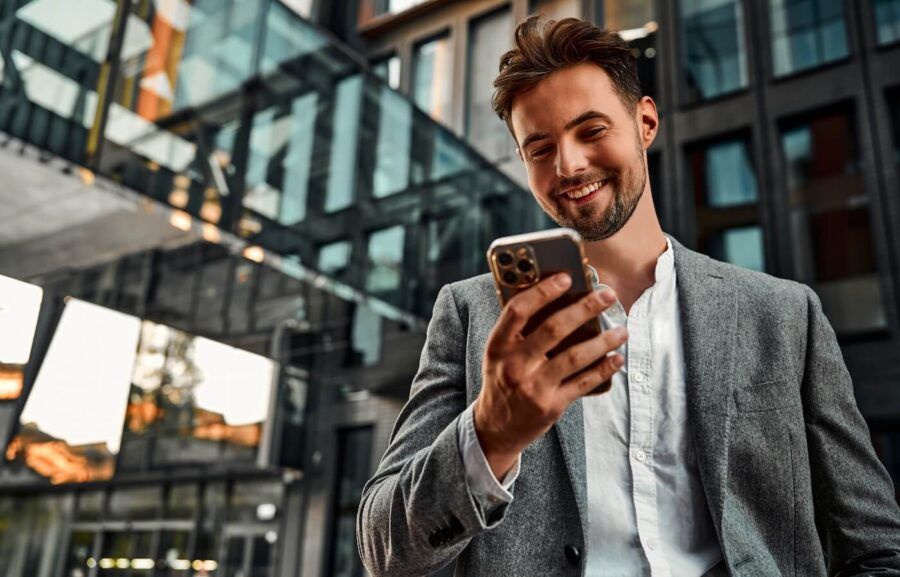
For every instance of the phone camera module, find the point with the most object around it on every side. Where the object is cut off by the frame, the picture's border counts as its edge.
(525, 265)
(505, 258)
(510, 278)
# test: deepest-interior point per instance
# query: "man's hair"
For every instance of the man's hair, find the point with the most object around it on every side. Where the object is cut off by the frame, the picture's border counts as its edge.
(543, 48)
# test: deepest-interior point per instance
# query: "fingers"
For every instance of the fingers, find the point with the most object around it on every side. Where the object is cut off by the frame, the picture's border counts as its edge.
(524, 305)
(564, 322)
(585, 382)
(578, 357)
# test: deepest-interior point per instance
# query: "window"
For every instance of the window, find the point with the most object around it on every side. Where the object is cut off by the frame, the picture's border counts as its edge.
(555, 9)
(388, 69)
(20, 304)
(334, 258)
(489, 37)
(354, 462)
(829, 219)
(635, 21)
(725, 196)
(887, 20)
(714, 56)
(385, 260)
(432, 77)
(393, 148)
(807, 33)
(346, 120)
(366, 336)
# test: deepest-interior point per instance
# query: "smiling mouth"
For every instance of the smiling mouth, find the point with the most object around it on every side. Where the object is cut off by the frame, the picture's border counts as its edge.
(584, 193)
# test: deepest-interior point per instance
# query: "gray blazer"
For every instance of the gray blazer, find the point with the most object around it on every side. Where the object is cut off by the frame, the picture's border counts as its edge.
(793, 484)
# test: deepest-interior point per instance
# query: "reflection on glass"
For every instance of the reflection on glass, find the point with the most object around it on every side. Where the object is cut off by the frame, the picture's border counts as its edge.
(394, 146)
(354, 452)
(334, 258)
(725, 196)
(714, 54)
(33, 532)
(635, 21)
(366, 335)
(344, 144)
(385, 260)
(887, 20)
(282, 40)
(432, 74)
(832, 236)
(195, 400)
(388, 69)
(280, 160)
(555, 9)
(489, 37)
(71, 426)
(20, 304)
(257, 501)
(135, 504)
(807, 33)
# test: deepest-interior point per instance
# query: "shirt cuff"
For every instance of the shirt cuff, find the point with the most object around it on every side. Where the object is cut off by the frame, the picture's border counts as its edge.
(484, 486)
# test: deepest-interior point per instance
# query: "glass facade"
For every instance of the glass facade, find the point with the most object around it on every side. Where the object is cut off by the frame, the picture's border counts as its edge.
(355, 449)
(386, 258)
(726, 200)
(432, 76)
(714, 56)
(20, 305)
(806, 34)
(833, 250)
(636, 22)
(887, 20)
(489, 37)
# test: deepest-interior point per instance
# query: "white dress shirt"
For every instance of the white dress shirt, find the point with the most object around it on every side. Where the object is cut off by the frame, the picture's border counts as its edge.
(647, 513)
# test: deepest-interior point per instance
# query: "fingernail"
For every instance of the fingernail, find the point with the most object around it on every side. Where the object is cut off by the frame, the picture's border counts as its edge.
(607, 296)
(617, 361)
(562, 280)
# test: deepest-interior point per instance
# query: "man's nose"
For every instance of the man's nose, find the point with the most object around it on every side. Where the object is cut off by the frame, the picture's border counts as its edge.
(570, 160)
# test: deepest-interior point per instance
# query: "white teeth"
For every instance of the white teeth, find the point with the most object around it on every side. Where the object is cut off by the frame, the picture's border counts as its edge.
(584, 191)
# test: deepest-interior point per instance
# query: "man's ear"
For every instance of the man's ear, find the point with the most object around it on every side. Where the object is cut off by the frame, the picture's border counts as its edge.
(519, 154)
(648, 121)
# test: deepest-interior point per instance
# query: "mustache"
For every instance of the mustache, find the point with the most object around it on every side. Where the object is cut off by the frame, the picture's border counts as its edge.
(581, 180)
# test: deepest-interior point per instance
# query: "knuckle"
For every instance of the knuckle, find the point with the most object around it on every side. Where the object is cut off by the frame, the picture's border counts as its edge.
(554, 331)
(575, 356)
(593, 303)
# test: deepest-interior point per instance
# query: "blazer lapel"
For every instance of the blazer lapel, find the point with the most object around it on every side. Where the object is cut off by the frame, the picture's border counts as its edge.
(708, 306)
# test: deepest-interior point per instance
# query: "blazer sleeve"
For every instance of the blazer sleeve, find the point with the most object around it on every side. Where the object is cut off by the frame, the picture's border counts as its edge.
(417, 512)
(855, 508)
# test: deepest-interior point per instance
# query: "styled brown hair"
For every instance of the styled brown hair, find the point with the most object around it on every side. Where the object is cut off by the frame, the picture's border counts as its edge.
(545, 47)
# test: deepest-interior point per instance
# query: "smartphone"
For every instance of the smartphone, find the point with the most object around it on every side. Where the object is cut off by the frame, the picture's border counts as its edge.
(521, 261)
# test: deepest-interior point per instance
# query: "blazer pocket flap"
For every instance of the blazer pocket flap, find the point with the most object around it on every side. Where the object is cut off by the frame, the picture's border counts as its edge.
(768, 396)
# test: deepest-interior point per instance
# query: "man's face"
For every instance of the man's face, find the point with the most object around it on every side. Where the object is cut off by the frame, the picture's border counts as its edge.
(582, 149)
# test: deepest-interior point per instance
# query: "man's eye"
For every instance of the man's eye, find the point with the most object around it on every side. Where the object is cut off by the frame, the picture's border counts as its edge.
(594, 131)
(540, 152)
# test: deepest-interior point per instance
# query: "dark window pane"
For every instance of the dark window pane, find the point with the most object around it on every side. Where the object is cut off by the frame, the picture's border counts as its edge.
(806, 33)
(354, 460)
(887, 20)
(832, 235)
(725, 196)
(385, 260)
(714, 54)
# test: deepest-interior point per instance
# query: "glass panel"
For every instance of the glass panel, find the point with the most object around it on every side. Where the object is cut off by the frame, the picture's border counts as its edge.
(137, 504)
(393, 149)
(20, 304)
(725, 196)
(432, 77)
(282, 42)
(830, 226)
(489, 37)
(354, 454)
(344, 145)
(32, 533)
(334, 258)
(90, 506)
(388, 69)
(555, 9)
(126, 554)
(385, 260)
(635, 21)
(183, 502)
(71, 426)
(366, 335)
(81, 554)
(194, 400)
(806, 33)
(887, 20)
(263, 560)
(174, 558)
(211, 523)
(713, 54)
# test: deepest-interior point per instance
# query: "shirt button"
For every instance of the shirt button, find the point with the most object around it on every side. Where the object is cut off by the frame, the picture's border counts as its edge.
(640, 455)
(639, 377)
(651, 545)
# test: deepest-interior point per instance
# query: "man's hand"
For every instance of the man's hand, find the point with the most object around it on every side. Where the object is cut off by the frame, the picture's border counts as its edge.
(524, 393)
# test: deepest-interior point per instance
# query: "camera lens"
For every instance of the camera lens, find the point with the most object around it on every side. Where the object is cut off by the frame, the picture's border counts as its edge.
(510, 277)
(525, 265)
(504, 258)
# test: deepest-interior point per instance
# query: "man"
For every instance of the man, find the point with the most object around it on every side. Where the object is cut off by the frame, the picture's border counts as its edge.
(730, 441)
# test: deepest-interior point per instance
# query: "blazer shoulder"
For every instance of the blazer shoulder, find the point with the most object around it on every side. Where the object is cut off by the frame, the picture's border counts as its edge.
(776, 293)
(474, 293)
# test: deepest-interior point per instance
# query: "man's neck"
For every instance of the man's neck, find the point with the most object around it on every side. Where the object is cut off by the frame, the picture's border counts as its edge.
(627, 260)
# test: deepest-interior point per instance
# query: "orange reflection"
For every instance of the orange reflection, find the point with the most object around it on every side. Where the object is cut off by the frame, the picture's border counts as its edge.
(57, 460)
(11, 382)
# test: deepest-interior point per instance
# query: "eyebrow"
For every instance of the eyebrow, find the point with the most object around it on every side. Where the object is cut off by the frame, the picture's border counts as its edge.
(583, 117)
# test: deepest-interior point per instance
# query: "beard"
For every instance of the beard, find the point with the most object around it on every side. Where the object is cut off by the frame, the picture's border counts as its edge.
(591, 221)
